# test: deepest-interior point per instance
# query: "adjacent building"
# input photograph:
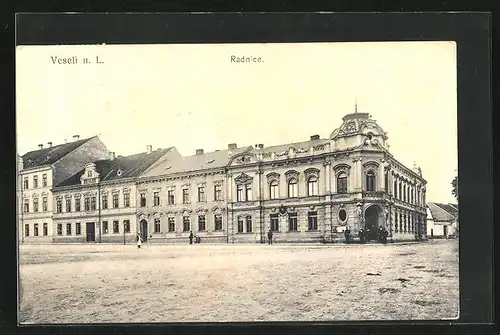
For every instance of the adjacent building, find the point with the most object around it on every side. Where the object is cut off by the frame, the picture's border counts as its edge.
(442, 220)
(39, 171)
(98, 203)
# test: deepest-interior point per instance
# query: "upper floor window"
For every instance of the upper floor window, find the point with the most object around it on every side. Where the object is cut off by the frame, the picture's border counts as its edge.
(26, 183)
(26, 206)
(116, 200)
(312, 186)
(292, 188)
(404, 193)
(218, 192)
(171, 197)
(89, 173)
(185, 196)
(143, 199)
(201, 194)
(156, 198)
(239, 193)
(342, 183)
(44, 204)
(35, 181)
(274, 190)
(77, 205)
(59, 205)
(218, 222)
(248, 192)
(35, 205)
(370, 181)
(92, 203)
(68, 205)
(104, 202)
(44, 179)
(87, 204)
(126, 200)
(395, 189)
(400, 192)
(386, 182)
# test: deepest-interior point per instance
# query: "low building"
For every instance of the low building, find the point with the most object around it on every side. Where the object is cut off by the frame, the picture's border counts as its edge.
(442, 220)
(39, 171)
(98, 203)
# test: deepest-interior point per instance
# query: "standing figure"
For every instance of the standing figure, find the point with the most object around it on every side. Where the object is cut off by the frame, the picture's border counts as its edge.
(190, 237)
(385, 235)
(380, 234)
(139, 241)
(270, 237)
(361, 235)
(347, 234)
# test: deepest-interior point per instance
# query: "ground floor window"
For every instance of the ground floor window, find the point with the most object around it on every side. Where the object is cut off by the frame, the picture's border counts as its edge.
(157, 225)
(68, 228)
(240, 225)
(116, 227)
(59, 229)
(105, 227)
(312, 221)
(185, 223)
(249, 224)
(35, 231)
(292, 222)
(274, 222)
(126, 226)
(78, 228)
(201, 222)
(396, 223)
(45, 229)
(218, 222)
(171, 224)
(400, 222)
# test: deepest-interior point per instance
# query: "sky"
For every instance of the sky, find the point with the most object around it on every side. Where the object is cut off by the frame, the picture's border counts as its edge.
(193, 97)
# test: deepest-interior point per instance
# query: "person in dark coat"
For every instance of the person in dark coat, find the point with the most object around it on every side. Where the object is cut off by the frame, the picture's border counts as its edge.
(347, 234)
(380, 236)
(269, 237)
(361, 235)
(384, 236)
(190, 237)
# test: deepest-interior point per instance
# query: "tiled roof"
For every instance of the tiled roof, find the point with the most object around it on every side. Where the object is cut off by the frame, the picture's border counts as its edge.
(50, 155)
(450, 208)
(130, 166)
(209, 160)
(439, 213)
(297, 145)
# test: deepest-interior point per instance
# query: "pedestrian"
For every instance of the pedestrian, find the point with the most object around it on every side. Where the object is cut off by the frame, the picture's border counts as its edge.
(347, 234)
(380, 234)
(190, 237)
(139, 241)
(270, 237)
(361, 235)
(385, 235)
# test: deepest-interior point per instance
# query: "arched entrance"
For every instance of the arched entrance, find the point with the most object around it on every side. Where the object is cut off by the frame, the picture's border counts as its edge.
(143, 226)
(372, 217)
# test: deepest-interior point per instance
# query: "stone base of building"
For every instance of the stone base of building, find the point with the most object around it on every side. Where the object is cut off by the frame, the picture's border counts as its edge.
(185, 240)
(37, 240)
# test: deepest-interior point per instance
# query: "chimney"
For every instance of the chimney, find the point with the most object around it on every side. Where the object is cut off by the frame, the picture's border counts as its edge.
(40, 146)
(199, 151)
(76, 137)
(113, 156)
(149, 148)
(49, 144)
(314, 137)
(261, 146)
(232, 146)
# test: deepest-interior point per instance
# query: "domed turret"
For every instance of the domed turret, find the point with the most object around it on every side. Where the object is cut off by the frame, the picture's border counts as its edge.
(359, 129)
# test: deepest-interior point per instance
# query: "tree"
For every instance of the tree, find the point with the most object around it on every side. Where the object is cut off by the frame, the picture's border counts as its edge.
(454, 189)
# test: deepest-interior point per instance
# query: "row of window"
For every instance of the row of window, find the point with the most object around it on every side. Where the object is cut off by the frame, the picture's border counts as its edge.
(35, 205)
(116, 227)
(186, 199)
(408, 194)
(35, 181)
(36, 232)
(245, 222)
(405, 224)
(186, 223)
(89, 203)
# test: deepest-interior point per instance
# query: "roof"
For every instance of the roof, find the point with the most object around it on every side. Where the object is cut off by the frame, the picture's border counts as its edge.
(442, 212)
(296, 145)
(50, 155)
(130, 167)
(209, 160)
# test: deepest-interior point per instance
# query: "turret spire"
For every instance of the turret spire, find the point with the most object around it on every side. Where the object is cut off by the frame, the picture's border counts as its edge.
(355, 105)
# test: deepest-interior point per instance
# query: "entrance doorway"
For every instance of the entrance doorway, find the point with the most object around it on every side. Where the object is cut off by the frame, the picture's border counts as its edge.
(90, 236)
(372, 216)
(144, 230)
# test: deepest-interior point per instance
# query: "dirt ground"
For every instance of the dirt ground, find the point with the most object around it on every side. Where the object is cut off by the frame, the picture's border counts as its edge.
(231, 283)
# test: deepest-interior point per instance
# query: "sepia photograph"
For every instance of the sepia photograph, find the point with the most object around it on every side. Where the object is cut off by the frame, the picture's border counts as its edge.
(244, 182)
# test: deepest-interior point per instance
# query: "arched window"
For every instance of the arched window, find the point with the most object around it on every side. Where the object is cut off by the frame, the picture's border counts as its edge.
(274, 190)
(370, 181)
(395, 189)
(342, 183)
(404, 194)
(292, 188)
(312, 186)
(386, 182)
(400, 193)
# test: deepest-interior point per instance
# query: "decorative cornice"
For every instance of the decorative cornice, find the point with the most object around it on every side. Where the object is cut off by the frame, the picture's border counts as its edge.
(243, 179)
